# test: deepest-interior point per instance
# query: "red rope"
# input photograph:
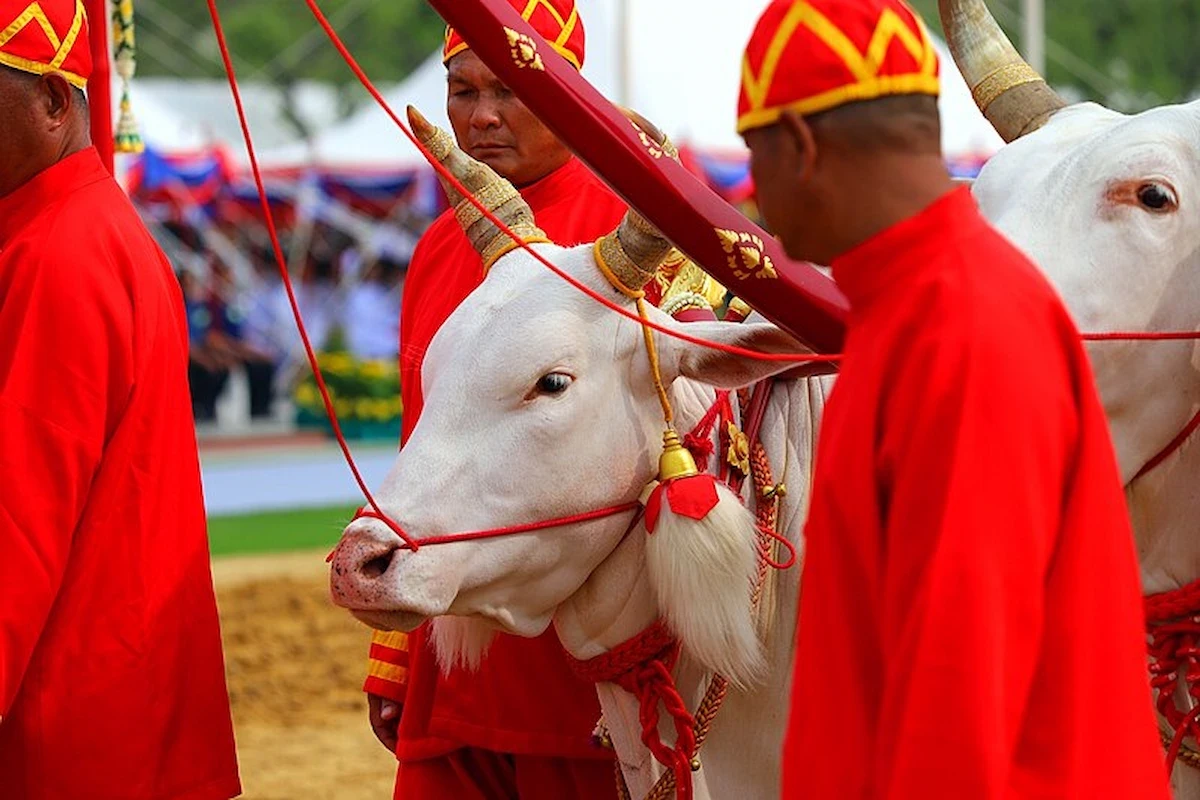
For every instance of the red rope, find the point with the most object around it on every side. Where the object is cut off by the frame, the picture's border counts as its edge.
(1173, 622)
(1172, 446)
(587, 516)
(1139, 336)
(287, 281)
(642, 666)
(699, 441)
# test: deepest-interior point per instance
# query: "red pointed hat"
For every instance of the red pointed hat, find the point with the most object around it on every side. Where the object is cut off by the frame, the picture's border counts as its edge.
(557, 21)
(41, 36)
(810, 56)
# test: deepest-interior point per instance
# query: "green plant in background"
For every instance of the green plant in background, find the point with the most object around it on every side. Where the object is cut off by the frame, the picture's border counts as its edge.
(365, 395)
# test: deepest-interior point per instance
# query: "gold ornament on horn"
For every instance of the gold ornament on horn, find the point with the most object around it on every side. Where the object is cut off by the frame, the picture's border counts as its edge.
(1009, 92)
(488, 189)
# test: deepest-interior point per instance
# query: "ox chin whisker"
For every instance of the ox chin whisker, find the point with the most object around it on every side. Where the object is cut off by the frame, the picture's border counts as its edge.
(461, 641)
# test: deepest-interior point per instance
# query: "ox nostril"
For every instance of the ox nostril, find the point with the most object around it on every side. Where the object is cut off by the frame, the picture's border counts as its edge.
(374, 567)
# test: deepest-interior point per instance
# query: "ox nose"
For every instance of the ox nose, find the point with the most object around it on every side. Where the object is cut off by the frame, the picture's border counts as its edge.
(361, 559)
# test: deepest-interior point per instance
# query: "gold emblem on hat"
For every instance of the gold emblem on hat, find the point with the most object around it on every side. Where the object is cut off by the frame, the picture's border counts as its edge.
(524, 51)
(746, 254)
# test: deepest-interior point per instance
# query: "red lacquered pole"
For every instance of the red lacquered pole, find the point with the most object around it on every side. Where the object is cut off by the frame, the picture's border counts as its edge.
(719, 238)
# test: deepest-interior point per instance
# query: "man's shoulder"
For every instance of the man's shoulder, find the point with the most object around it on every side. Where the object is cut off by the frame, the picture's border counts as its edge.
(443, 233)
(89, 242)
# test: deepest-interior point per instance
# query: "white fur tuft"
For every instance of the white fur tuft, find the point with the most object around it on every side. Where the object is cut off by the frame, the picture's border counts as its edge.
(461, 642)
(703, 572)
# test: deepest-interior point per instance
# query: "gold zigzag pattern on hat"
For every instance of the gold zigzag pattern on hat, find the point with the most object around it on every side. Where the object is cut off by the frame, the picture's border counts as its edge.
(62, 47)
(566, 28)
(863, 66)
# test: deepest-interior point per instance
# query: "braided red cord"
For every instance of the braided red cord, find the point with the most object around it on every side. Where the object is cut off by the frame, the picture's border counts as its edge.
(642, 666)
(699, 441)
(1173, 622)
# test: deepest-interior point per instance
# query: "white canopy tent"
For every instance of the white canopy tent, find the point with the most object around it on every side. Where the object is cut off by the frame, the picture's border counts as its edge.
(684, 64)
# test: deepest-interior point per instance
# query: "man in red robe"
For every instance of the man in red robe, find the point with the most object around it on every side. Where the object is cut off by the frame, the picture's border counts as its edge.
(112, 684)
(970, 625)
(520, 726)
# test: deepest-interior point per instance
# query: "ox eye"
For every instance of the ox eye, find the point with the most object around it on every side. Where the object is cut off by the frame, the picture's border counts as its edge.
(1157, 198)
(553, 383)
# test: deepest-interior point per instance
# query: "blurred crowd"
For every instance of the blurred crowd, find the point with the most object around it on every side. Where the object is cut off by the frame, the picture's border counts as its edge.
(241, 319)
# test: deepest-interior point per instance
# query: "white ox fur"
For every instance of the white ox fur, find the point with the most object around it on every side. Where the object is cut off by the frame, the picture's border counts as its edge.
(1066, 194)
(489, 451)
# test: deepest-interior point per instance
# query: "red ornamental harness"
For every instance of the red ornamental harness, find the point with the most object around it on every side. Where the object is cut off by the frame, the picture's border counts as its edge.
(1173, 625)
(643, 665)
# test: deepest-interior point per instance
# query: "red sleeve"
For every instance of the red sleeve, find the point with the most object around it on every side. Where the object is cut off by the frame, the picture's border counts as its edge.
(61, 335)
(387, 666)
(976, 441)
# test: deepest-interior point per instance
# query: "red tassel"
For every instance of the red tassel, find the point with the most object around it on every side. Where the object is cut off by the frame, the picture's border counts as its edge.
(692, 496)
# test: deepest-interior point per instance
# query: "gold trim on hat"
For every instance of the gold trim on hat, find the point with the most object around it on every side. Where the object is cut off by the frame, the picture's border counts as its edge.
(864, 66)
(62, 47)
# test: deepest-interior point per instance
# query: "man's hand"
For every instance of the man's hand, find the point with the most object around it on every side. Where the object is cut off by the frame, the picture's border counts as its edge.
(385, 719)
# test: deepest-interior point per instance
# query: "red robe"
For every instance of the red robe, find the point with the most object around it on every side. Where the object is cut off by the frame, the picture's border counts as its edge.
(112, 680)
(525, 699)
(970, 625)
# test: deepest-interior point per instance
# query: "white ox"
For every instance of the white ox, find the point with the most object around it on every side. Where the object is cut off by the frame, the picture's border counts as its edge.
(539, 403)
(1103, 202)
(1109, 206)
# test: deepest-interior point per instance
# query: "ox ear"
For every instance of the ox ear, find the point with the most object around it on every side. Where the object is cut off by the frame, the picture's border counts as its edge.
(726, 370)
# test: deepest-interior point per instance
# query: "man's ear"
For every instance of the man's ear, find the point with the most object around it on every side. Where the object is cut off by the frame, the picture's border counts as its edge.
(725, 370)
(58, 99)
(800, 136)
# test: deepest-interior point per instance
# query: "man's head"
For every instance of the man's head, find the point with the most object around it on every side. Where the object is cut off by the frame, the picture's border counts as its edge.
(489, 122)
(839, 110)
(44, 67)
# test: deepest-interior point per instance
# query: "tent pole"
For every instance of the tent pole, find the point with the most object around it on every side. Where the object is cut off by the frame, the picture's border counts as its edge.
(1033, 20)
(624, 50)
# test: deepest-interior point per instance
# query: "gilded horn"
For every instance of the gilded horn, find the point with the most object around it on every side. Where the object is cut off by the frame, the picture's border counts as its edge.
(1009, 92)
(631, 255)
(492, 191)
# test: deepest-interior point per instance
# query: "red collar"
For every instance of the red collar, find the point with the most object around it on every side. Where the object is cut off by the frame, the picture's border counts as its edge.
(865, 272)
(22, 206)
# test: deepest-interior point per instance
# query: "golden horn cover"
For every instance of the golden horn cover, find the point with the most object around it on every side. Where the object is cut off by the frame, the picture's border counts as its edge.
(495, 193)
(1014, 98)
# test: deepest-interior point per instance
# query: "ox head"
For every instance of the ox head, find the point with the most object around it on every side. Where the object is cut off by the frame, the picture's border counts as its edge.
(1108, 205)
(539, 404)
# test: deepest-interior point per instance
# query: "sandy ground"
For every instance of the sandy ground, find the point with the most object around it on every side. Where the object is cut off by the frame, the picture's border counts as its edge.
(296, 665)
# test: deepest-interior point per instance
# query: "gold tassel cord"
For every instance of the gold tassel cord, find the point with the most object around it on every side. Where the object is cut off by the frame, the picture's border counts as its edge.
(127, 139)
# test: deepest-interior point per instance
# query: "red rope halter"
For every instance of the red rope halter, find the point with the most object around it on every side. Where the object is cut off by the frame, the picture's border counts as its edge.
(571, 519)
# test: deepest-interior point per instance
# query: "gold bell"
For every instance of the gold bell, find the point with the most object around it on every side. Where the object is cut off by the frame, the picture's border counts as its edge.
(676, 461)
(695, 764)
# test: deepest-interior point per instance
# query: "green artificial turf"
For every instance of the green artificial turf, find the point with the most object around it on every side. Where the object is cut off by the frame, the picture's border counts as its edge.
(277, 531)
